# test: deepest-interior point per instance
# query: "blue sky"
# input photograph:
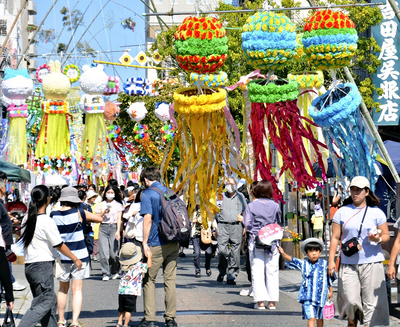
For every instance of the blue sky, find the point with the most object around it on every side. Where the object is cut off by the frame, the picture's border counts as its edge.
(114, 39)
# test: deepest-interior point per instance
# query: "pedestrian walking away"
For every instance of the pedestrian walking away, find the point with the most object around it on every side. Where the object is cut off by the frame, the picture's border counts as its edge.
(40, 238)
(161, 253)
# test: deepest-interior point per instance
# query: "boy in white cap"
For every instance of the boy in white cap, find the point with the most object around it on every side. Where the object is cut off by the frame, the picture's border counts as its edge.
(316, 282)
(130, 285)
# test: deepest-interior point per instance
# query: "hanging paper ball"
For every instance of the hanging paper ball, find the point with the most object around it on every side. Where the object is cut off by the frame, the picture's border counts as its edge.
(329, 39)
(137, 86)
(168, 132)
(111, 111)
(140, 131)
(113, 132)
(113, 86)
(137, 111)
(162, 111)
(201, 45)
(268, 40)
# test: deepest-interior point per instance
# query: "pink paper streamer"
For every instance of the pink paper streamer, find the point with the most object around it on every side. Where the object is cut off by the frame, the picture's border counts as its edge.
(232, 122)
(244, 79)
(171, 115)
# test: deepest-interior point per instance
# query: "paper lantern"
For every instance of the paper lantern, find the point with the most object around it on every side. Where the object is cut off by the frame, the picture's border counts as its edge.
(201, 45)
(268, 40)
(329, 39)
(162, 111)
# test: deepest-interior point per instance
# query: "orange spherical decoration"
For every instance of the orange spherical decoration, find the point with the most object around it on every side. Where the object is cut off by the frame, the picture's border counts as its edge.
(201, 45)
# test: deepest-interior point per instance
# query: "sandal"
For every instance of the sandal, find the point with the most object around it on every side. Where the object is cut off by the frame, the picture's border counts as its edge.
(62, 323)
(74, 325)
(120, 325)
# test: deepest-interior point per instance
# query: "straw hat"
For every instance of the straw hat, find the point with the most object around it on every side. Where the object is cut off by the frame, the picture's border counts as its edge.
(129, 255)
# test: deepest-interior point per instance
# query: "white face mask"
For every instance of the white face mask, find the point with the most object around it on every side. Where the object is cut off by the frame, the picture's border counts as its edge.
(230, 188)
(110, 196)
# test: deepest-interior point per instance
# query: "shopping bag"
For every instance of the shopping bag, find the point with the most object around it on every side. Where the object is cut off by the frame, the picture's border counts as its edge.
(329, 310)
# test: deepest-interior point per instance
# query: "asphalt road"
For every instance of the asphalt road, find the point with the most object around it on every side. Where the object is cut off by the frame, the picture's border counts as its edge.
(201, 301)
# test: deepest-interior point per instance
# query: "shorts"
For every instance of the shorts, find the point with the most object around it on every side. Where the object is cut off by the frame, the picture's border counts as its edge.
(126, 303)
(311, 311)
(318, 233)
(72, 272)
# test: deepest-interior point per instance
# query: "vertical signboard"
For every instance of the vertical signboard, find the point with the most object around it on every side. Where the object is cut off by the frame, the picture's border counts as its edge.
(388, 74)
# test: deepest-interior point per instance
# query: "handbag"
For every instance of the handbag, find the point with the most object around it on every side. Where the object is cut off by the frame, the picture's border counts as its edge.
(206, 235)
(353, 245)
(8, 319)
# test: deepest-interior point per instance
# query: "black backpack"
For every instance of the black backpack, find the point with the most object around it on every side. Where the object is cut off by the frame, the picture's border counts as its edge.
(174, 225)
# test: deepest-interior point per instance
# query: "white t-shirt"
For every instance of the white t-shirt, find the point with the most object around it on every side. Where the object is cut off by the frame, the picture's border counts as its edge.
(373, 218)
(2, 239)
(45, 239)
(112, 216)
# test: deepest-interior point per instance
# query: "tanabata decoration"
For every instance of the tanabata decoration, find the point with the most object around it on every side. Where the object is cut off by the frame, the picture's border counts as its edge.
(276, 104)
(162, 112)
(129, 24)
(343, 127)
(94, 144)
(73, 72)
(53, 144)
(268, 40)
(209, 80)
(42, 71)
(33, 123)
(17, 85)
(113, 86)
(329, 39)
(311, 85)
(124, 150)
(111, 111)
(137, 86)
(141, 132)
(137, 111)
(202, 163)
(201, 45)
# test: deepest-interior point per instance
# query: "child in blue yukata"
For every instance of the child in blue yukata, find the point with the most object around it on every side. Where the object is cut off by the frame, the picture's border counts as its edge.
(316, 286)
(130, 285)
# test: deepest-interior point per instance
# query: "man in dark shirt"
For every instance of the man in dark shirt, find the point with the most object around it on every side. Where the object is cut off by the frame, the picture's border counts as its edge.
(161, 253)
(6, 226)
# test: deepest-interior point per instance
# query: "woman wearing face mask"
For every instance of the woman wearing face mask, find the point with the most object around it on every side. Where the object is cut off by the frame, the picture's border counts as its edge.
(111, 210)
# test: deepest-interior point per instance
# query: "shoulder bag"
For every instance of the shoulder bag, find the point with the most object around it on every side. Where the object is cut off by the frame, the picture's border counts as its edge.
(353, 245)
(206, 235)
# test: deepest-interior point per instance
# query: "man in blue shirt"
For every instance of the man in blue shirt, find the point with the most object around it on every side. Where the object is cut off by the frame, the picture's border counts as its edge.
(161, 253)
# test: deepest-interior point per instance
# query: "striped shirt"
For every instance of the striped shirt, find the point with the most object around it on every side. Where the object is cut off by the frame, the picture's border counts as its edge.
(70, 228)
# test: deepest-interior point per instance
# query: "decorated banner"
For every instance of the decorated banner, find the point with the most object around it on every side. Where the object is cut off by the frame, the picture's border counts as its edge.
(388, 73)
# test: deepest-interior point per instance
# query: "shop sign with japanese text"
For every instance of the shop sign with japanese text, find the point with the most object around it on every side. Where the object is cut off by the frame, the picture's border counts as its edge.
(387, 76)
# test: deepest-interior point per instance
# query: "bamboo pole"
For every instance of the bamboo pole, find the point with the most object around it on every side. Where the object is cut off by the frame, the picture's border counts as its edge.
(395, 8)
(12, 27)
(135, 66)
(38, 29)
(171, 13)
(374, 131)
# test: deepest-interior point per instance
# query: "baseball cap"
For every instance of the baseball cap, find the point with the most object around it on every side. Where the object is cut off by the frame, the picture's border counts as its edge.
(360, 182)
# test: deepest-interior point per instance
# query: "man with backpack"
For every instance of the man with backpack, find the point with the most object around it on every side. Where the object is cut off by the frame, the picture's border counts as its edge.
(156, 205)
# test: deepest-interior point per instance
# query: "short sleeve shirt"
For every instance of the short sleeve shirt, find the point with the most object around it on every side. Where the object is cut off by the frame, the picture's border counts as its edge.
(352, 216)
(44, 242)
(131, 281)
(112, 216)
(151, 204)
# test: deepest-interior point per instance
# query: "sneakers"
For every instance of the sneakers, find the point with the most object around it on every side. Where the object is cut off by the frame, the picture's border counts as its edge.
(197, 275)
(208, 272)
(258, 307)
(18, 287)
(245, 292)
(171, 323)
(220, 278)
(106, 278)
(115, 276)
(94, 258)
(145, 323)
(181, 255)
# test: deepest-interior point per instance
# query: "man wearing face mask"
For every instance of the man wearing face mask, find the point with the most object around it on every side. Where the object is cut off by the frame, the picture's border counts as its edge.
(230, 231)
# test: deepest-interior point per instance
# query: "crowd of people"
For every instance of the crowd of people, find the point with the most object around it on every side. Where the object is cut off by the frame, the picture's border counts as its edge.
(67, 227)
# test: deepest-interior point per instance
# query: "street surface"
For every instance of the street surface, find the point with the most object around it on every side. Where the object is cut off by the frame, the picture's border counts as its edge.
(201, 301)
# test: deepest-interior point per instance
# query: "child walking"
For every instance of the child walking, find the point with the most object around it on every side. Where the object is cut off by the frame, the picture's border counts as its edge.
(130, 285)
(316, 282)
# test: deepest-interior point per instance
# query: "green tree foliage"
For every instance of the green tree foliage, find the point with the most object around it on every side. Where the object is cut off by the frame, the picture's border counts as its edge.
(71, 19)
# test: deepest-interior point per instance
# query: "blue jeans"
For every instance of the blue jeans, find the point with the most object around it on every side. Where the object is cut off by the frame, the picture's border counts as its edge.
(44, 304)
(197, 247)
